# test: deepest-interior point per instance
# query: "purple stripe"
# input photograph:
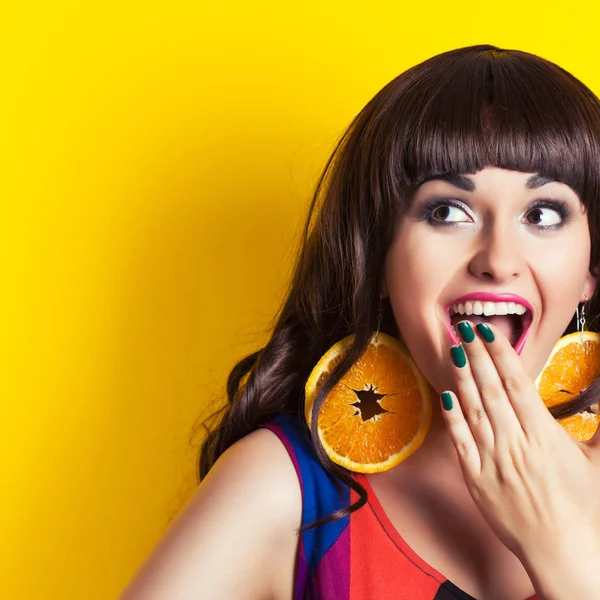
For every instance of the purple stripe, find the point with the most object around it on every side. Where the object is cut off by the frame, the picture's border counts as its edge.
(302, 575)
(333, 573)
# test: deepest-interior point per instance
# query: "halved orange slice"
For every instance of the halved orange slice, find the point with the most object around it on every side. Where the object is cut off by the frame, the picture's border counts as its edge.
(379, 412)
(572, 366)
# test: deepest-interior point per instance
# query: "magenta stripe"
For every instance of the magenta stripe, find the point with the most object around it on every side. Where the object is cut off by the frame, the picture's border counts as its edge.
(278, 431)
(333, 572)
(302, 573)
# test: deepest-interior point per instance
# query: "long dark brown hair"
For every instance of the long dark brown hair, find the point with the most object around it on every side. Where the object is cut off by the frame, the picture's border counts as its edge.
(457, 112)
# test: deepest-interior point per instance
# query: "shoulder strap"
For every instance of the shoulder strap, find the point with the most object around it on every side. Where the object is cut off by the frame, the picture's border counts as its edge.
(322, 493)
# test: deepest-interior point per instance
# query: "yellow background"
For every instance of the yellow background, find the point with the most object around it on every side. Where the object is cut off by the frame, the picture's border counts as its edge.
(155, 166)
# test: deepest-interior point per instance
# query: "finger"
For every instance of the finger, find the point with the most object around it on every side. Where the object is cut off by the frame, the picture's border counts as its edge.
(470, 401)
(520, 389)
(461, 436)
(494, 398)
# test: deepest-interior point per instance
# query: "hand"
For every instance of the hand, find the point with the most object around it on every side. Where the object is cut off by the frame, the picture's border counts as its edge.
(533, 483)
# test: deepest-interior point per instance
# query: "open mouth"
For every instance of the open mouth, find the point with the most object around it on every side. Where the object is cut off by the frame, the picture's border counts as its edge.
(511, 318)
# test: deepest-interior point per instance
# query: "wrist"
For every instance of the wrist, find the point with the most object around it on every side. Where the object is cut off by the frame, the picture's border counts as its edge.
(565, 568)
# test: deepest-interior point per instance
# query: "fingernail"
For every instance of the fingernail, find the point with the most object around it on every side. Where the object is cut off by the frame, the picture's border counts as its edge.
(447, 400)
(466, 331)
(485, 332)
(458, 356)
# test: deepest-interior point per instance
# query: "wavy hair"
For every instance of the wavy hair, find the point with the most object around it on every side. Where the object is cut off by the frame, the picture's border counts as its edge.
(457, 112)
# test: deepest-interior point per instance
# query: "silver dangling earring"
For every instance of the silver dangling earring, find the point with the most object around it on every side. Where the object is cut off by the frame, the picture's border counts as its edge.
(581, 319)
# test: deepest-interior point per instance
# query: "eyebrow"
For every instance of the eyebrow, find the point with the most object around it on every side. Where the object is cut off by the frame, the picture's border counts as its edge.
(464, 183)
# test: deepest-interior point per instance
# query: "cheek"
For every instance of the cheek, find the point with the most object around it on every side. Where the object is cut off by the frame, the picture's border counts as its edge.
(413, 284)
(561, 277)
(415, 281)
(417, 266)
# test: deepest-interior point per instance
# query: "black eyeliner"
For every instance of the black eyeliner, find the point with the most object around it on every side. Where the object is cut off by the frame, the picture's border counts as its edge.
(559, 206)
(426, 211)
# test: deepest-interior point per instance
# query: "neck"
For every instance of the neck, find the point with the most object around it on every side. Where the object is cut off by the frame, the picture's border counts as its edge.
(436, 455)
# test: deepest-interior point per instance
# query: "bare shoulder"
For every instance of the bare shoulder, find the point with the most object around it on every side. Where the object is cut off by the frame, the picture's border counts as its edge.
(237, 536)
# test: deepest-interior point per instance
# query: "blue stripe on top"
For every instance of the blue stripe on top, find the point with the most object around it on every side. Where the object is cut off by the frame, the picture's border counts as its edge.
(323, 493)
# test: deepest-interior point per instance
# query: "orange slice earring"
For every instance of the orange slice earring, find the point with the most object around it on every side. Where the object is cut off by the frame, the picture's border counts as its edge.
(572, 366)
(379, 413)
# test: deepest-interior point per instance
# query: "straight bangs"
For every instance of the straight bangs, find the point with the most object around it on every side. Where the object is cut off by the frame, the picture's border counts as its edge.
(481, 106)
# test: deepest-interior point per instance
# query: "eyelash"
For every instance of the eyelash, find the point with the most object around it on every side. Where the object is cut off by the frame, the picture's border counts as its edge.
(426, 212)
(562, 208)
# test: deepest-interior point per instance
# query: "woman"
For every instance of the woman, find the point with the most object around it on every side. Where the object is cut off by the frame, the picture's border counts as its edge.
(471, 177)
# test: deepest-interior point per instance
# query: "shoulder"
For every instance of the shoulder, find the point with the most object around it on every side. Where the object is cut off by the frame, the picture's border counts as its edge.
(260, 466)
(237, 536)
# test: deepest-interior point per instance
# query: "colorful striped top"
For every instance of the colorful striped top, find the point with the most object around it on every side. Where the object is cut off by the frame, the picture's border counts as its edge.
(360, 556)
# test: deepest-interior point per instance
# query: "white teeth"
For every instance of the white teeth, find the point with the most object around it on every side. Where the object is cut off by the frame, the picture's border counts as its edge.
(488, 308)
(501, 308)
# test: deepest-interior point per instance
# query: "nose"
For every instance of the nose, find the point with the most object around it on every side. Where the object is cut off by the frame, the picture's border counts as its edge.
(498, 255)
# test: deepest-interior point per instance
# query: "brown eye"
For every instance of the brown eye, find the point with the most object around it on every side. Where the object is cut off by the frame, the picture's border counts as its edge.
(545, 217)
(446, 213)
(441, 213)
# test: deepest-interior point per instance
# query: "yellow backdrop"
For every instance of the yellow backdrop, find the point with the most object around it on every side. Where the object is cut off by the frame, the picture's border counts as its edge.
(155, 167)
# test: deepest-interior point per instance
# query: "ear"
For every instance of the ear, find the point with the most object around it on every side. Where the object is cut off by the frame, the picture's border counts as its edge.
(383, 291)
(589, 287)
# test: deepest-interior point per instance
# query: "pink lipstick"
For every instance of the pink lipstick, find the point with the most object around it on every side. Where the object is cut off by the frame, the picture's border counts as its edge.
(483, 297)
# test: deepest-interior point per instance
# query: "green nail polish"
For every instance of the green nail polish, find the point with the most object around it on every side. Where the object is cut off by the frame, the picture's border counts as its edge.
(458, 356)
(447, 400)
(466, 332)
(485, 332)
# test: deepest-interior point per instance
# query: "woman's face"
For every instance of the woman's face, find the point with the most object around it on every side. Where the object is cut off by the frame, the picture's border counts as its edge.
(499, 241)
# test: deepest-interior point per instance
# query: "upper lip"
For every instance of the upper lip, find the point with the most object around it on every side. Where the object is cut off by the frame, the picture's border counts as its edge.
(490, 297)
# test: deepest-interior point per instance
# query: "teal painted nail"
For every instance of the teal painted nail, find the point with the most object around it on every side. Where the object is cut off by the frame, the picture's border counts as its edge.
(447, 400)
(458, 356)
(485, 332)
(466, 332)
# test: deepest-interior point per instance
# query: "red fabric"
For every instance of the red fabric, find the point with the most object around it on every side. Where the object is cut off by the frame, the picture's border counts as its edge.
(391, 573)
(377, 549)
